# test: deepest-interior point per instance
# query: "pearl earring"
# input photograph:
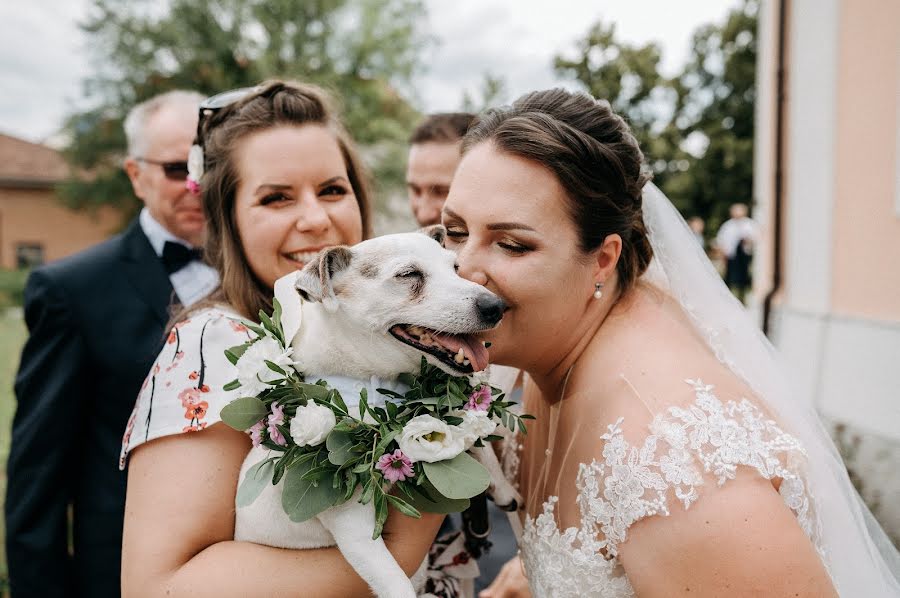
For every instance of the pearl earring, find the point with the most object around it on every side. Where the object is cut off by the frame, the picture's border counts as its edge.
(597, 292)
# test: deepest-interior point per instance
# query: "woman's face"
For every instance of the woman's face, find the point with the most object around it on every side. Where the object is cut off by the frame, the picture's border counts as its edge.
(293, 198)
(506, 219)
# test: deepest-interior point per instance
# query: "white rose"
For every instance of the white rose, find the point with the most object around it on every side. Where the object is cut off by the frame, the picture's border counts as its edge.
(426, 438)
(476, 424)
(252, 369)
(312, 424)
(195, 163)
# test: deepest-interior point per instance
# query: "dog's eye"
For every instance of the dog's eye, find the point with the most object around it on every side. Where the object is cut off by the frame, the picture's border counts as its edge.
(409, 273)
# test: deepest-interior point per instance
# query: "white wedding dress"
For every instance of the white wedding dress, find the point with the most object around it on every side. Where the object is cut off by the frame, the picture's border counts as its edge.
(693, 423)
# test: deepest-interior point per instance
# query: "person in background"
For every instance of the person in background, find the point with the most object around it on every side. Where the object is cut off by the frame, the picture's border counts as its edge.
(735, 242)
(697, 226)
(96, 322)
(433, 157)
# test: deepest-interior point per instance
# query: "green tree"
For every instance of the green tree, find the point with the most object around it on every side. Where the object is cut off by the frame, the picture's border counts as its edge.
(492, 92)
(365, 51)
(696, 129)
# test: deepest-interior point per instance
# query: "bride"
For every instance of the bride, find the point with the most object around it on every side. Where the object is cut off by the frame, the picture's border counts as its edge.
(668, 456)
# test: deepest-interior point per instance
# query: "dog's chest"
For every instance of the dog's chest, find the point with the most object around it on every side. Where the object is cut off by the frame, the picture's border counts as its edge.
(265, 522)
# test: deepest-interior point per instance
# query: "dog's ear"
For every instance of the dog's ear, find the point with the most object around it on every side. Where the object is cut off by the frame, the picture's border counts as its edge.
(314, 282)
(436, 231)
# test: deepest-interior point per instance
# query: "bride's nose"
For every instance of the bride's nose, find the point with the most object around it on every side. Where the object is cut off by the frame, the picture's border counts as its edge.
(469, 266)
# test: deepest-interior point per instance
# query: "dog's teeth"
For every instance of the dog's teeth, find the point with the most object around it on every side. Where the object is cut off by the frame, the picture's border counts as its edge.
(465, 362)
(460, 356)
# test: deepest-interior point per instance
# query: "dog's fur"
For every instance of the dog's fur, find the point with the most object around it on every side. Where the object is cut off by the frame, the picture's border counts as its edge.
(351, 299)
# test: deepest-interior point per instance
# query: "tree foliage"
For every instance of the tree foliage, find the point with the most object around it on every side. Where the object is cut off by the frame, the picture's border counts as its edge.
(696, 129)
(364, 51)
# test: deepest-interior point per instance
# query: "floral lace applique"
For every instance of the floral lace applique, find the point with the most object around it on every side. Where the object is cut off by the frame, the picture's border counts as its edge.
(633, 482)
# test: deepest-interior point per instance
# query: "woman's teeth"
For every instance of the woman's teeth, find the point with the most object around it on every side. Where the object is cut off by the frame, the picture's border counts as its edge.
(303, 256)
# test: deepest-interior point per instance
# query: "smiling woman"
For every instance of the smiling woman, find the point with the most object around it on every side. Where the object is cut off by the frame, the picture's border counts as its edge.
(280, 181)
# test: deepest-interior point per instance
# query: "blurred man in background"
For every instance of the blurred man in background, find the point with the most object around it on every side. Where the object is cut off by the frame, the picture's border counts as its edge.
(434, 154)
(735, 241)
(96, 323)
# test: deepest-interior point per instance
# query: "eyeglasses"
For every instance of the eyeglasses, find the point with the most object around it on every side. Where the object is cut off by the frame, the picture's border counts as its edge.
(174, 171)
(213, 104)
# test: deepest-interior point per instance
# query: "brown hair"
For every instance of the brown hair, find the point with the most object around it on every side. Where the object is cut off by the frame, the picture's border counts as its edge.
(444, 127)
(591, 151)
(274, 103)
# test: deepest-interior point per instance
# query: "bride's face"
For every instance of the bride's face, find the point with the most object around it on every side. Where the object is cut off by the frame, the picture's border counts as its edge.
(507, 221)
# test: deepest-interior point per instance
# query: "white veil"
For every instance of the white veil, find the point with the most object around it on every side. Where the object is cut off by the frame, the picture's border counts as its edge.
(860, 557)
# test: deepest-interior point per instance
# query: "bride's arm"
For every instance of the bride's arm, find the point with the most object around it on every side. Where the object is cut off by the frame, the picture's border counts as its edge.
(736, 540)
(179, 525)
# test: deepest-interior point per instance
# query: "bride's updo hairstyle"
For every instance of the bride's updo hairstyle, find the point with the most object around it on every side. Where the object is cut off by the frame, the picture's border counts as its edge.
(594, 156)
(272, 104)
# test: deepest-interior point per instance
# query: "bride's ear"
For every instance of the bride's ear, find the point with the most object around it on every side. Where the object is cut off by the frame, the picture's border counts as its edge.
(607, 256)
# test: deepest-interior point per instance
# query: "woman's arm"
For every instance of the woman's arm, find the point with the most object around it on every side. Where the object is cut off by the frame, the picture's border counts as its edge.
(736, 540)
(179, 525)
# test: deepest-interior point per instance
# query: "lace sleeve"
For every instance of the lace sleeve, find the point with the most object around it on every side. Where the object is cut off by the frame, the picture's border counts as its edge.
(687, 448)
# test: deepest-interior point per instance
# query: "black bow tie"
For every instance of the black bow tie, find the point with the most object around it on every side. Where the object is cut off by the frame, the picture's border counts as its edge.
(176, 256)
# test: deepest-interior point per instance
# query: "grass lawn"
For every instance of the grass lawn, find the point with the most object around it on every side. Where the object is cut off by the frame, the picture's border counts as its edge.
(12, 336)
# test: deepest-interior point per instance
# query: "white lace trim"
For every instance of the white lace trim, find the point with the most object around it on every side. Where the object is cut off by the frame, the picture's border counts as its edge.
(633, 482)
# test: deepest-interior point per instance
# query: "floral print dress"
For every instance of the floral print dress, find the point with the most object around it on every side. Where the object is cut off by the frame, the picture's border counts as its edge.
(183, 391)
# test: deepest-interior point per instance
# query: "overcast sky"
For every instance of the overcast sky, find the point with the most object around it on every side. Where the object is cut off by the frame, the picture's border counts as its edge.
(43, 57)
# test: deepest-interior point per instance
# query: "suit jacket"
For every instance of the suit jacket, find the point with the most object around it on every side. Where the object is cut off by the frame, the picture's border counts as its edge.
(96, 322)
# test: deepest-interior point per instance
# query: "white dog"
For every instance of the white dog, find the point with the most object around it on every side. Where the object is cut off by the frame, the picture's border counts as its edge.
(369, 313)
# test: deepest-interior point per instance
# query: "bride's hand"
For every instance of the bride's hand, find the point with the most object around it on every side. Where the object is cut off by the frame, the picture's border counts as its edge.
(510, 582)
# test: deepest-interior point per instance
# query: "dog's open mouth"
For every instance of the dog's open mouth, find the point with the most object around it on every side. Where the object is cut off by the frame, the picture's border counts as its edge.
(462, 352)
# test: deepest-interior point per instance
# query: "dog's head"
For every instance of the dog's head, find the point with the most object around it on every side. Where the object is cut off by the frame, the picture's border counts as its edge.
(388, 301)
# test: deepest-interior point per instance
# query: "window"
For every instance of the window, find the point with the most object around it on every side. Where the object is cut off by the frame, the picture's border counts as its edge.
(29, 255)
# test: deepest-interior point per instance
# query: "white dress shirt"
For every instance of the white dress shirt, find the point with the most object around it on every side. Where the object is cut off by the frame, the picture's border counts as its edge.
(193, 282)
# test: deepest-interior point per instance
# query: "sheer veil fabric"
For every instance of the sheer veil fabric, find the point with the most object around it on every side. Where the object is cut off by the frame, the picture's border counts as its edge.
(720, 408)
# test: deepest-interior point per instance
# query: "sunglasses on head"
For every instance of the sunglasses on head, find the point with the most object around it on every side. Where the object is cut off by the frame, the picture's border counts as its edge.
(213, 104)
(174, 171)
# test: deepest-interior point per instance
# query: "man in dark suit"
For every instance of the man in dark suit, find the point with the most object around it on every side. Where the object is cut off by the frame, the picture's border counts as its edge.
(96, 323)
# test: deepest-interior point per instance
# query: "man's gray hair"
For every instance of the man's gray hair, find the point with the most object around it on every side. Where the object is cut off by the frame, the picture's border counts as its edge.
(137, 118)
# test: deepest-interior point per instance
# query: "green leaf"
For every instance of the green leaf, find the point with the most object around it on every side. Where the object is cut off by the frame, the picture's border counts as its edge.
(460, 477)
(232, 385)
(339, 445)
(404, 507)
(313, 391)
(242, 413)
(233, 354)
(302, 499)
(335, 398)
(275, 368)
(426, 499)
(257, 478)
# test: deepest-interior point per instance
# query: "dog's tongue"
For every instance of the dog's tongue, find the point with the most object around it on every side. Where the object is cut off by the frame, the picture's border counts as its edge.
(472, 348)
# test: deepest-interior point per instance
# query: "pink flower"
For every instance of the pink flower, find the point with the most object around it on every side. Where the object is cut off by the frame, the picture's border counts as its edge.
(256, 431)
(395, 467)
(480, 400)
(192, 186)
(276, 418)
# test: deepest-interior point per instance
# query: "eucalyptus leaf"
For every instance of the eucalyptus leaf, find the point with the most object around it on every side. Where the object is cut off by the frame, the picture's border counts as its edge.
(256, 479)
(339, 445)
(241, 414)
(426, 499)
(234, 353)
(313, 391)
(302, 499)
(460, 477)
(232, 385)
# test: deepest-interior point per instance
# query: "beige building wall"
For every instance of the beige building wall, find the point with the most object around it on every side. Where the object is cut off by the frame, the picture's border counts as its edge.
(866, 227)
(37, 216)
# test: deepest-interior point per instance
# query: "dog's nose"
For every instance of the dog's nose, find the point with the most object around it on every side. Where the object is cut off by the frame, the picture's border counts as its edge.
(490, 308)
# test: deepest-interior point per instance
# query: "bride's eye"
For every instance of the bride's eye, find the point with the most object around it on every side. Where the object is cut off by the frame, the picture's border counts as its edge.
(457, 234)
(513, 247)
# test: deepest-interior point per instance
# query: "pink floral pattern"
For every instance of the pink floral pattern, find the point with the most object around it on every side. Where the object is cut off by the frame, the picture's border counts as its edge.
(183, 391)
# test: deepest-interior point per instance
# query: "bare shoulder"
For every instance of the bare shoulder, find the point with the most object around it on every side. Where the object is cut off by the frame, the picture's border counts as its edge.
(738, 540)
